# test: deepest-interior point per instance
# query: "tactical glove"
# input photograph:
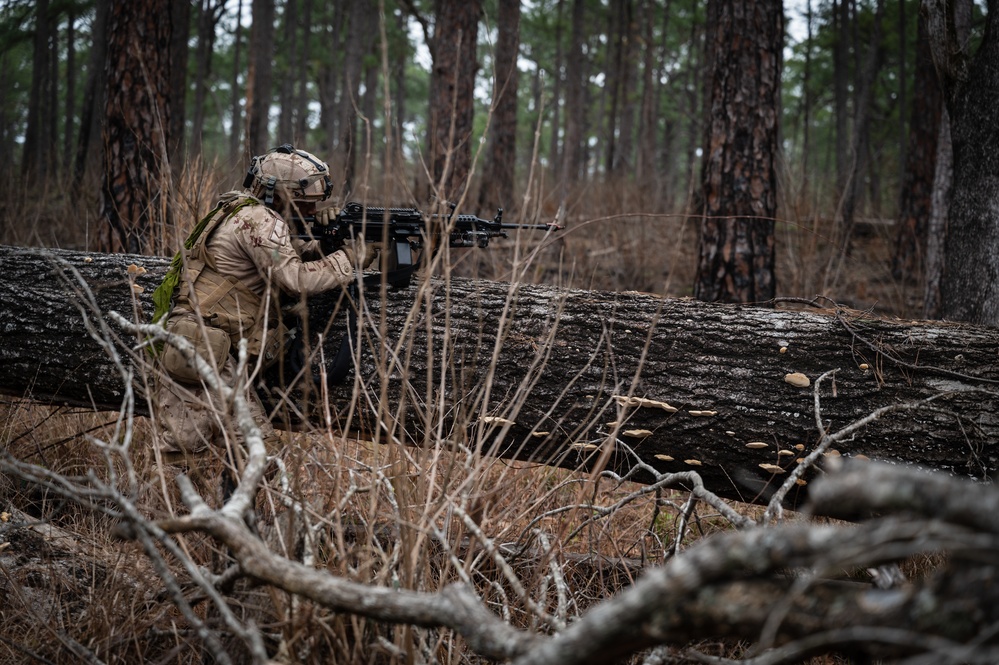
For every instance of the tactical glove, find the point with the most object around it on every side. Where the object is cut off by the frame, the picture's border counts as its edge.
(359, 251)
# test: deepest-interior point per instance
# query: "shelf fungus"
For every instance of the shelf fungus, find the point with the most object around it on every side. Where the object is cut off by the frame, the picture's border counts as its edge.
(539, 435)
(583, 446)
(785, 453)
(757, 444)
(703, 413)
(637, 433)
(772, 468)
(665, 458)
(693, 462)
(642, 403)
(797, 379)
(497, 420)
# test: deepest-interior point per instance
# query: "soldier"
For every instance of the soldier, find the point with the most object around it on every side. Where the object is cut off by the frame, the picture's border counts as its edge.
(225, 286)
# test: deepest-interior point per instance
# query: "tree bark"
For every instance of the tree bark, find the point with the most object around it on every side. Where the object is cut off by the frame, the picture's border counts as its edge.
(88, 145)
(566, 364)
(38, 147)
(452, 84)
(500, 166)
(259, 93)
(739, 179)
(137, 128)
(347, 113)
(920, 165)
(969, 287)
(179, 55)
(572, 146)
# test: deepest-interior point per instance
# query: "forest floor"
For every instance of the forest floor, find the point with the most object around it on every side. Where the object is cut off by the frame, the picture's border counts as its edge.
(99, 599)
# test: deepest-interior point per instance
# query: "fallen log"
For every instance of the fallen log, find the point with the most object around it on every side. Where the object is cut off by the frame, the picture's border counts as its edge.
(571, 377)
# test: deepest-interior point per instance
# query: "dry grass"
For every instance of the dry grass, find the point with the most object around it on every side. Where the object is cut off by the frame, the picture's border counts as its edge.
(383, 514)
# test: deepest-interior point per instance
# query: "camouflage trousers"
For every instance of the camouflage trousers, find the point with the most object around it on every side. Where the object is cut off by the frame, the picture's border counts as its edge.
(195, 422)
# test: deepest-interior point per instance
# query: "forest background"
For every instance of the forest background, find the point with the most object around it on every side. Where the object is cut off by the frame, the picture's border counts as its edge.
(608, 120)
(122, 122)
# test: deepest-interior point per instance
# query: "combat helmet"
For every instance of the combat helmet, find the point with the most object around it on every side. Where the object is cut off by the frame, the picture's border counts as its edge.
(293, 174)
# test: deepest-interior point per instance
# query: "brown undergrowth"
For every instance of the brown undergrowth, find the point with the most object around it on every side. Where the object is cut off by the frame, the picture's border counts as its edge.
(530, 539)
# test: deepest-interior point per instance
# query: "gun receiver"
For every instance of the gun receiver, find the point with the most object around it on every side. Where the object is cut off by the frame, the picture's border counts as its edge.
(405, 230)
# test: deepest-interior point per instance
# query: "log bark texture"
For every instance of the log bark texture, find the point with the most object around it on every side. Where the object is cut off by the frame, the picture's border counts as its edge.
(543, 373)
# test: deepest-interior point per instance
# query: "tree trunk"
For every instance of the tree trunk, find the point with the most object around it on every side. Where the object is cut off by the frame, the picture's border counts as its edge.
(236, 113)
(569, 365)
(349, 102)
(969, 288)
(88, 145)
(841, 84)
(69, 102)
(859, 143)
(179, 55)
(920, 164)
(648, 129)
(500, 166)
(286, 89)
(328, 80)
(37, 140)
(209, 15)
(137, 126)
(624, 154)
(258, 89)
(556, 102)
(572, 160)
(739, 181)
(936, 225)
(452, 84)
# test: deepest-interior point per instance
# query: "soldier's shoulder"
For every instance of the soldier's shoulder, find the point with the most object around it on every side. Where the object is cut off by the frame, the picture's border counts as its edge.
(259, 225)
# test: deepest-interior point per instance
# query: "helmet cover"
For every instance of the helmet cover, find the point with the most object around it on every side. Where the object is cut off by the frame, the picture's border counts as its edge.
(295, 175)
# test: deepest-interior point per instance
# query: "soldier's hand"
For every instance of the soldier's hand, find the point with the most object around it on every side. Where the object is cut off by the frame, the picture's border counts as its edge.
(364, 253)
(372, 251)
(326, 216)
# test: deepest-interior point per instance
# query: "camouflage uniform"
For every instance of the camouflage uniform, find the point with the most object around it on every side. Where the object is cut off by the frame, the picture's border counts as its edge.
(245, 250)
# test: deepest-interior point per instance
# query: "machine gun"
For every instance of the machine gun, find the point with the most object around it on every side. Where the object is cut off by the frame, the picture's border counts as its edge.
(406, 230)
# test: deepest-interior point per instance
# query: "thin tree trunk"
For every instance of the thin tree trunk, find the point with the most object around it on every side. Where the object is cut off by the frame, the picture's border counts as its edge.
(936, 226)
(501, 160)
(349, 102)
(917, 189)
(286, 90)
(577, 377)
(179, 55)
(236, 133)
(574, 117)
(452, 84)
(37, 141)
(554, 154)
(209, 14)
(302, 74)
(624, 158)
(259, 90)
(70, 99)
(841, 81)
(88, 147)
(859, 141)
(647, 118)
